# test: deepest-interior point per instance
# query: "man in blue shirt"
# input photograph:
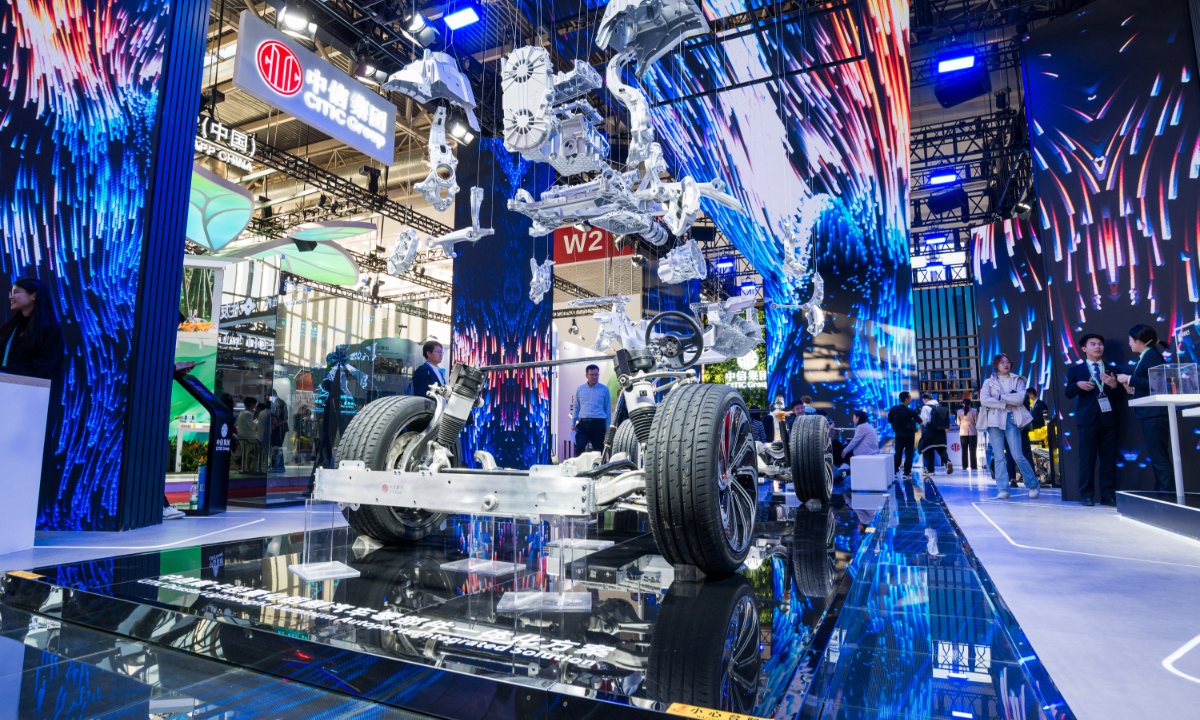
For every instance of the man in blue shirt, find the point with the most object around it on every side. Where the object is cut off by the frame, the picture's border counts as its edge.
(591, 413)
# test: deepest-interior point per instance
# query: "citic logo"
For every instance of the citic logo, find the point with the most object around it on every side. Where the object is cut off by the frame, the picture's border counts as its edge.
(279, 67)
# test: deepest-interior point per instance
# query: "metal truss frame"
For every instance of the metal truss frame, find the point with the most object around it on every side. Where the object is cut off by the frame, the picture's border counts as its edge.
(950, 276)
(400, 301)
(935, 20)
(999, 56)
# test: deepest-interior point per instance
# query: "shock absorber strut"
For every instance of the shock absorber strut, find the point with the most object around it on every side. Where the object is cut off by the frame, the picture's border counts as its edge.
(466, 383)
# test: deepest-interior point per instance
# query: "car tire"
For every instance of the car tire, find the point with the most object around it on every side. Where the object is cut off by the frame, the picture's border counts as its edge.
(812, 461)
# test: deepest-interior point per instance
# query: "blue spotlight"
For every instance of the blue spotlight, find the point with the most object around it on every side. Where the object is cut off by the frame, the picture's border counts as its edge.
(748, 288)
(936, 239)
(462, 18)
(943, 178)
(724, 264)
(950, 64)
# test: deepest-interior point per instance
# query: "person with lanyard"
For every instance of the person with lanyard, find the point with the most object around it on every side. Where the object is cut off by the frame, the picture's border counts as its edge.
(1093, 385)
(429, 374)
(1156, 426)
(31, 339)
(1003, 400)
(591, 413)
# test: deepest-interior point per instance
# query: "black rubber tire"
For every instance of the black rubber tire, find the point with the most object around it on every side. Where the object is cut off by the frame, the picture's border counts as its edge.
(626, 441)
(812, 461)
(695, 653)
(812, 558)
(683, 491)
(368, 438)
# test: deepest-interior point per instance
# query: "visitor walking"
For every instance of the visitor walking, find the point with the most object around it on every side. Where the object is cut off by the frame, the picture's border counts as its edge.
(905, 422)
(935, 421)
(1003, 398)
(968, 434)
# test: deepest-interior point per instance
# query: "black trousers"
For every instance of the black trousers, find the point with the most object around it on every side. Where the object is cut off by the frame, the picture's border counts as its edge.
(905, 446)
(928, 457)
(1098, 444)
(970, 451)
(589, 431)
(1157, 433)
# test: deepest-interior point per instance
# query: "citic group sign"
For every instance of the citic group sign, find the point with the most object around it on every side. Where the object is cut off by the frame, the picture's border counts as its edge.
(279, 67)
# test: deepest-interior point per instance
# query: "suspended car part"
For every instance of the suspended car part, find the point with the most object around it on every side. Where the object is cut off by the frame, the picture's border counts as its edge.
(471, 234)
(729, 334)
(649, 29)
(440, 186)
(684, 263)
(404, 253)
(542, 279)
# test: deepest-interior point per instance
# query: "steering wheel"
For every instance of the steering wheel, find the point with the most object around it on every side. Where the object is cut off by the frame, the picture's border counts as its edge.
(675, 348)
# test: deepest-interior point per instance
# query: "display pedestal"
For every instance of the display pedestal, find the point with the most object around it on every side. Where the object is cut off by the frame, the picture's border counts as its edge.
(22, 437)
(1171, 402)
(317, 558)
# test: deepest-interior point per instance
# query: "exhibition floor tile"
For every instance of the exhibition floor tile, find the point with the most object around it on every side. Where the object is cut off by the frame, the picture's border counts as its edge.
(1109, 603)
(50, 669)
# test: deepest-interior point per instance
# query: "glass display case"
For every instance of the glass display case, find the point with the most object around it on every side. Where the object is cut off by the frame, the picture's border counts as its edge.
(1174, 379)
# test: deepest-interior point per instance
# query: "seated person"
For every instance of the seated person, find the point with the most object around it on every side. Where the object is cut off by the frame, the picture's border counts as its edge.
(865, 440)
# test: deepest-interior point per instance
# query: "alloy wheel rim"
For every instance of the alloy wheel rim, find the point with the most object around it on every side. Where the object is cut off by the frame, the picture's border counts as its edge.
(735, 458)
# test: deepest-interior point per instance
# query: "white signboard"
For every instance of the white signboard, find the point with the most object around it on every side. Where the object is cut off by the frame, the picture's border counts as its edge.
(279, 71)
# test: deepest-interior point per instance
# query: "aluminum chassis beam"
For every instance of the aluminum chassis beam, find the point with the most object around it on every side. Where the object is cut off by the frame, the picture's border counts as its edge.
(541, 490)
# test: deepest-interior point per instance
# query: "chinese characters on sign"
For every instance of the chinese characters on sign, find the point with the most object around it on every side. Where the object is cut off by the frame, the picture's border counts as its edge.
(280, 72)
(210, 132)
(746, 379)
(240, 341)
(249, 306)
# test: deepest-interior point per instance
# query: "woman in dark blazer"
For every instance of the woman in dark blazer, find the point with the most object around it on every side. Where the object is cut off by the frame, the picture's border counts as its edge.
(1156, 428)
(31, 342)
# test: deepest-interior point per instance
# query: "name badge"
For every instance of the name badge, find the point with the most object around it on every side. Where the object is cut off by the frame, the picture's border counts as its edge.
(1105, 405)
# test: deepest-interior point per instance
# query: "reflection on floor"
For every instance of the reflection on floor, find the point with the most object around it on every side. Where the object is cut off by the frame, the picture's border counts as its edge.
(924, 633)
(1110, 604)
(873, 606)
(50, 669)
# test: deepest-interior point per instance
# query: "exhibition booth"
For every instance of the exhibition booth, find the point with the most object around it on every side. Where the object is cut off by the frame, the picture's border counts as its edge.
(722, 208)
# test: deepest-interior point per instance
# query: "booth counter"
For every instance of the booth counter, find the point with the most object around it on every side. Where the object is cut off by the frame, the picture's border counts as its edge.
(22, 436)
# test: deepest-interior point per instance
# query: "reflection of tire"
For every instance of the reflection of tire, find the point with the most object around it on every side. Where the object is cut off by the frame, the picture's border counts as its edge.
(378, 436)
(626, 441)
(705, 649)
(812, 462)
(812, 561)
(701, 482)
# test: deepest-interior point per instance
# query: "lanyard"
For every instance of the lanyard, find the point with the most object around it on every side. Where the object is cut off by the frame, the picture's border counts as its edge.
(7, 347)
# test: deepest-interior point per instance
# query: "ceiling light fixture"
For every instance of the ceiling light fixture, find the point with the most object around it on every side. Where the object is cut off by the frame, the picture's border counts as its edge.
(462, 18)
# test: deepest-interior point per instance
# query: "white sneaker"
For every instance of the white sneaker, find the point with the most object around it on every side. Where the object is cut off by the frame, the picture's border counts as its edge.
(1034, 492)
(1002, 495)
(171, 513)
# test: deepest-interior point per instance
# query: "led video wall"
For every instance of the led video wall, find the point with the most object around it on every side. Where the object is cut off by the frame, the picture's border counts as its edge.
(827, 148)
(494, 320)
(82, 83)
(1115, 121)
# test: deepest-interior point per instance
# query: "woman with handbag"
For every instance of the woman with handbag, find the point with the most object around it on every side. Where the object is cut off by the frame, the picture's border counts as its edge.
(1003, 416)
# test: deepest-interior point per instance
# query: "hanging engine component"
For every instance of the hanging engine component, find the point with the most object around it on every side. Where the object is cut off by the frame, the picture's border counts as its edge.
(404, 253)
(684, 263)
(649, 29)
(542, 280)
(435, 77)
(440, 186)
(472, 234)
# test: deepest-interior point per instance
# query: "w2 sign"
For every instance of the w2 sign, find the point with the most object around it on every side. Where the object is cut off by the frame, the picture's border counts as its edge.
(573, 245)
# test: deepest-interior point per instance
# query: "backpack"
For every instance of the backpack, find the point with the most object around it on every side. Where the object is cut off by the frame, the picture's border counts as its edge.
(939, 418)
(914, 422)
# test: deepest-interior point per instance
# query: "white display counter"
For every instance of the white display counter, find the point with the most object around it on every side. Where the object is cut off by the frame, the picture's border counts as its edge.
(22, 437)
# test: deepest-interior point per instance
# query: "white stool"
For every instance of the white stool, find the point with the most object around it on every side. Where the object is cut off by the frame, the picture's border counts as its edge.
(872, 473)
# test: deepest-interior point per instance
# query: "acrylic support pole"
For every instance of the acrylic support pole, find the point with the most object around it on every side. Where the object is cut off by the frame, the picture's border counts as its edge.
(317, 561)
(568, 539)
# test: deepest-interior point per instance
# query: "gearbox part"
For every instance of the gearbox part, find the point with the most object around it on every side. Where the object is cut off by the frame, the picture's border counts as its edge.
(440, 186)
(542, 280)
(614, 324)
(527, 78)
(684, 263)
(576, 146)
(404, 253)
(733, 328)
(649, 29)
(471, 234)
(435, 77)
(575, 83)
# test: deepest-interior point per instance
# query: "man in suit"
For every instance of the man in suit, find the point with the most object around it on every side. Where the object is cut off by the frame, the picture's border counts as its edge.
(1156, 425)
(1098, 405)
(429, 374)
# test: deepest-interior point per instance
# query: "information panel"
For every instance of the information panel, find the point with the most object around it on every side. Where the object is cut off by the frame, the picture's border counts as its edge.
(279, 71)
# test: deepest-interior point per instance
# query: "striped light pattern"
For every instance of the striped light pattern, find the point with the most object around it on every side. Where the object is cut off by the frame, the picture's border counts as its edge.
(82, 84)
(842, 130)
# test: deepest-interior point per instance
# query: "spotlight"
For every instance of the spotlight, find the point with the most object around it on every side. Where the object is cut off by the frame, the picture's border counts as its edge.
(748, 288)
(322, 200)
(459, 131)
(296, 22)
(947, 201)
(724, 264)
(415, 23)
(960, 77)
(943, 178)
(372, 178)
(361, 54)
(574, 329)
(462, 18)
(936, 239)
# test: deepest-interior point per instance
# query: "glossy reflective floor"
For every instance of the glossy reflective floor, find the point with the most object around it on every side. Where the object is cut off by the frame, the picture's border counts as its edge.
(872, 606)
(50, 669)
